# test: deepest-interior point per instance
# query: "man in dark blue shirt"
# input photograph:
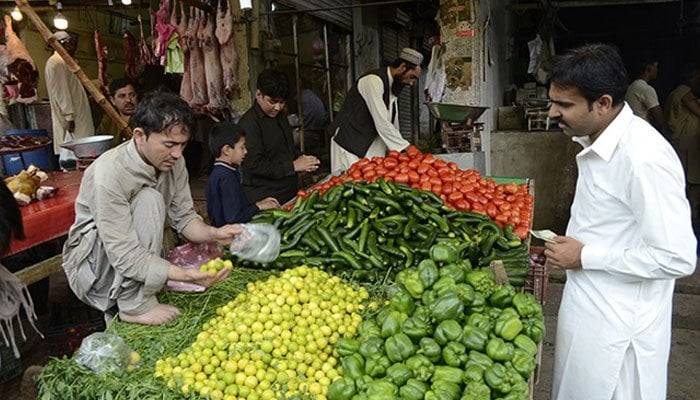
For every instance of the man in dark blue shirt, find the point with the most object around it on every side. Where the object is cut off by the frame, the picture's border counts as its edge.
(226, 201)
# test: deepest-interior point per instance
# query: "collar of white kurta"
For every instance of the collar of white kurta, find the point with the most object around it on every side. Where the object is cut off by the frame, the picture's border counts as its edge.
(138, 164)
(607, 142)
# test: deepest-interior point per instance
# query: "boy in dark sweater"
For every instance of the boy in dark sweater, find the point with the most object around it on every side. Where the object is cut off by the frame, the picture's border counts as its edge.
(226, 202)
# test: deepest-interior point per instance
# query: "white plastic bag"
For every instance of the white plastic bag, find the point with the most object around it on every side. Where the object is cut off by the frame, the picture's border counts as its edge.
(106, 353)
(257, 242)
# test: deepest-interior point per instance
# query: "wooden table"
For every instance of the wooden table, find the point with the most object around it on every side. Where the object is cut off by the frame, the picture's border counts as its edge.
(46, 220)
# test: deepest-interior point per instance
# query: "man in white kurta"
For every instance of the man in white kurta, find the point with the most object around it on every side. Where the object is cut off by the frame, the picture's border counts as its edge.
(628, 239)
(70, 108)
(368, 123)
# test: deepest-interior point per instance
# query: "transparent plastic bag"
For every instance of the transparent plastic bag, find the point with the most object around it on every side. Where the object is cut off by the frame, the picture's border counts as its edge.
(257, 242)
(106, 353)
(191, 256)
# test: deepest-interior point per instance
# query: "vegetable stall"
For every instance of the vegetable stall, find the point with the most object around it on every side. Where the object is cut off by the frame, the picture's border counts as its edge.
(389, 284)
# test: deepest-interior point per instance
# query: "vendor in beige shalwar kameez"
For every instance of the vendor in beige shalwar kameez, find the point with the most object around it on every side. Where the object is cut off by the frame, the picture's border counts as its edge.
(70, 108)
(113, 253)
(368, 123)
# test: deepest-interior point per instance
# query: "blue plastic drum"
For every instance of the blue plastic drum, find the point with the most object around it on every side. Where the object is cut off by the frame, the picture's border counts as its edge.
(12, 163)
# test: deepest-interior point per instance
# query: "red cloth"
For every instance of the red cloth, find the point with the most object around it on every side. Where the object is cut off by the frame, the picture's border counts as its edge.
(50, 218)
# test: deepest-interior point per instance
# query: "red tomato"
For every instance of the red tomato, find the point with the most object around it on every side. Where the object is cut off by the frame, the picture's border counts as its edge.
(522, 232)
(391, 174)
(428, 158)
(394, 154)
(488, 195)
(455, 195)
(505, 207)
(447, 178)
(423, 178)
(390, 163)
(362, 162)
(510, 188)
(415, 185)
(412, 151)
(502, 218)
(492, 210)
(443, 197)
(380, 171)
(461, 204)
(444, 171)
(369, 174)
(483, 200)
(439, 163)
(510, 198)
(401, 178)
(453, 166)
(515, 220)
(404, 170)
(435, 181)
(368, 167)
(433, 173)
(404, 157)
(437, 189)
(302, 193)
(413, 176)
(498, 202)
(425, 185)
(422, 168)
(413, 164)
(478, 208)
(466, 188)
(447, 188)
(472, 197)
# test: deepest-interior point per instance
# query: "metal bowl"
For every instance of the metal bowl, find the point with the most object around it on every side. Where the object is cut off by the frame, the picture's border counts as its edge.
(89, 147)
(455, 112)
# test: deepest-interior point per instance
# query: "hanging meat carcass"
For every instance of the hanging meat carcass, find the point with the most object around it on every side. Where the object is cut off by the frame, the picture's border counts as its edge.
(212, 66)
(227, 47)
(145, 54)
(183, 37)
(18, 72)
(130, 56)
(164, 29)
(198, 76)
(101, 51)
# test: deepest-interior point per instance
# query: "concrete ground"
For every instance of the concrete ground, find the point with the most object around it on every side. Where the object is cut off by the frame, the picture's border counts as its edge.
(684, 363)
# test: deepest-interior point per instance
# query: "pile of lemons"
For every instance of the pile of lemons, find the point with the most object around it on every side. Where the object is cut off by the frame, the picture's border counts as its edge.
(216, 265)
(272, 341)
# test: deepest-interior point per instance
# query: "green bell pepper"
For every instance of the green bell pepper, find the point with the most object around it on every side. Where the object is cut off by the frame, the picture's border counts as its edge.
(520, 388)
(474, 338)
(502, 297)
(478, 358)
(353, 366)
(478, 305)
(376, 367)
(392, 323)
(473, 373)
(448, 330)
(448, 374)
(444, 285)
(527, 305)
(480, 321)
(429, 296)
(421, 367)
(428, 272)
(398, 374)
(445, 389)
(482, 281)
(508, 326)
(476, 391)
(499, 350)
(416, 328)
(534, 328)
(371, 347)
(523, 362)
(430, 349)
(399, 347)
(443, 253)
(454, 354)
(413, 283)
(382, 389)
(413, 390)
(368, 328)
(402, 301)
(448, 306)
(359, 396)
(341, 389)
(347, 346)
(361, 384)
(465, 293)
(526, 344)
(422, 313)
(497, 378)
(454, 271)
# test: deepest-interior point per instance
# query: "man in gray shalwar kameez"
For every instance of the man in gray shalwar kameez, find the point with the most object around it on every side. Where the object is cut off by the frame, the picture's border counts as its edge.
(113, 253)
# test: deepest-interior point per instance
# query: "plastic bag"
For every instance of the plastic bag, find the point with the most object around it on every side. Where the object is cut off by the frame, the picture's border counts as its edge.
(191, 256)
(106, 353)
(257, 242)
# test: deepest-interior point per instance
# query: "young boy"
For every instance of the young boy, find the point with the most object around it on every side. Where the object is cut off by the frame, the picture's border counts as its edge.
(226, 202)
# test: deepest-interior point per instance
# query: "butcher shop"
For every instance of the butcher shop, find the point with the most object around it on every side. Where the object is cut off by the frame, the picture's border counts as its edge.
(349, 199)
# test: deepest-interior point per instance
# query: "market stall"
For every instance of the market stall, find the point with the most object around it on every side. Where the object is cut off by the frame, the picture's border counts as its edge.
(402, 291)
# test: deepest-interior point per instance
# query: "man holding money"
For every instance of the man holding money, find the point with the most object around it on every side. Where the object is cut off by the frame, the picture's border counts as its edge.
(628, 239)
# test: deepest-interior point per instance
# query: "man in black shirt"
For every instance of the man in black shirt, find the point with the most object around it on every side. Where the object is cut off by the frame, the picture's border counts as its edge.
(271, 166)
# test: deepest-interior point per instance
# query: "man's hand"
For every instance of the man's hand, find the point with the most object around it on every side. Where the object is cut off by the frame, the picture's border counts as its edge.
(306, 164)
(268, 203)
(207, 279)
(225, 234)
(564, 253)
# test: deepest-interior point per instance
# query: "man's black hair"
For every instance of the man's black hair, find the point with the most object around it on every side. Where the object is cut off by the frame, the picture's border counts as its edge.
(397, 63)
(273, 83)
(10, 219)
(222, 134)
(639, 64)
(119, 83)
(160, 111)
(595, 70)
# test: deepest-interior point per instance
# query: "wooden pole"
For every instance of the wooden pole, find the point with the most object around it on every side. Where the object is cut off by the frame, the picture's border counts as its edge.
(73, 66)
